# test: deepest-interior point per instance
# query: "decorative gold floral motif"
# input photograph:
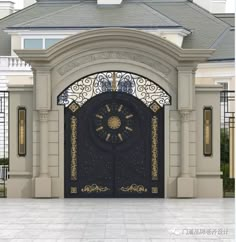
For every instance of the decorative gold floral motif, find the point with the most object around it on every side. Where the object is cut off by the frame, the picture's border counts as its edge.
(134, 188)
(154, 189)
(94, 188)
(73, 148)
(73, 190)
(74, 107)
(154, 107)
(114, 122)
(154, 148)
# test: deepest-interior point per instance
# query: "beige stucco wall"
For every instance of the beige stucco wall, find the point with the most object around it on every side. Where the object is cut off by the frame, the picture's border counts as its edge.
(212, 73)
(19, 184)
(209, 183)
(15, 43)
(20, 80)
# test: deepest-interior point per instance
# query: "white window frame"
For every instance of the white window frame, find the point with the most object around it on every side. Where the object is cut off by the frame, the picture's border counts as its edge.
(43, 37)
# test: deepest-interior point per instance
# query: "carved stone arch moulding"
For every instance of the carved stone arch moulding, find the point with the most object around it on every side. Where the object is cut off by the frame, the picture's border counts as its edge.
(162, 69)
(151, 94)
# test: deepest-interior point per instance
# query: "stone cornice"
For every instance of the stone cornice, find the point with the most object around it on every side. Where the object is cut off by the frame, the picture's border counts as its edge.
(113, 37)
(208, 88)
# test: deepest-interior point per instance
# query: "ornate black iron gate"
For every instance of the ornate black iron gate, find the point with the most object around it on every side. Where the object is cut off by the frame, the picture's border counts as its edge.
(4, 161)
(114, 141)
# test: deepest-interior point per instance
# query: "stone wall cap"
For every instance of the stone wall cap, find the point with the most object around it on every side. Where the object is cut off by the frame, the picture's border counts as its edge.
(208, 87)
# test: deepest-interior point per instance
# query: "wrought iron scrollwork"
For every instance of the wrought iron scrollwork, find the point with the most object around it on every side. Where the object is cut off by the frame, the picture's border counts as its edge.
(90, 86)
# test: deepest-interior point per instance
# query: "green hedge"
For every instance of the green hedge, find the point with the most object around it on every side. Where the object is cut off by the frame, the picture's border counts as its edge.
(224, 146)
(4, 161)
(228, 183)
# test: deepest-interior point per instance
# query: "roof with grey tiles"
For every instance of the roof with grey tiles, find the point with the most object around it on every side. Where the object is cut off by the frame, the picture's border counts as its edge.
(206, 29)
(228, 18)
(87, 14)
(225, 47)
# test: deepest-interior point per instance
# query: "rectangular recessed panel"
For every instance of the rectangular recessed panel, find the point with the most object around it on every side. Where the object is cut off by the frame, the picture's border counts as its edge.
(207, 131)
(21, 131)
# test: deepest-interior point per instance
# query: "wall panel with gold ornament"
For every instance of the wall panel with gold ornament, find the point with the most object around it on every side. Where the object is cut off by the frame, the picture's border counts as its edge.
(21, 131)
(207, 131)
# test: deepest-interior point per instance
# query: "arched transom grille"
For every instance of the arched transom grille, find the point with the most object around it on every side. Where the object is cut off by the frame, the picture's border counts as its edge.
(113, 81)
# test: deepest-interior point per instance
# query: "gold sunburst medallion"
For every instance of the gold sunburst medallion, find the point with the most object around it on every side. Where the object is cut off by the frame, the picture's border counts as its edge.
(114, 122)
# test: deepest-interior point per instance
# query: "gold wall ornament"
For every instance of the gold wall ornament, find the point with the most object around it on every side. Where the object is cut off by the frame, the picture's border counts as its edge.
(129, 116)
(114, 122)
(99, 116)
(155, 107)
(155, 190)
(73, 148)
(207, 131)
(73, 190)
(108, 108)
(94, 188)
(99, 128)
(73, 107)
(134, 188)
(22, 131)
(154, 148)
(120, 108)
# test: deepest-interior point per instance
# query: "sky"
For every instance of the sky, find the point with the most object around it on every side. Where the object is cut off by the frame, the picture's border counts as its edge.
(230, 5)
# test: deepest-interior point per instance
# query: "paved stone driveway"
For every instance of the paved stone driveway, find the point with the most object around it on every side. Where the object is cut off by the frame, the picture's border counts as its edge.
(116, 220)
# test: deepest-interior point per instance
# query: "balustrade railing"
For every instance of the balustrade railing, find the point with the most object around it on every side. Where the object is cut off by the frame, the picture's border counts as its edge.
(13, 63)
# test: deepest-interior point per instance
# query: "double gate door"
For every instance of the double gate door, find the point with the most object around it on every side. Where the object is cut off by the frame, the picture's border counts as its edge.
(110, 147)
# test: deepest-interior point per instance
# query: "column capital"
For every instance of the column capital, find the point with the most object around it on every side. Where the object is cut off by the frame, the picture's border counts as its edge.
(187, 68)
(185, 115)
(43, 115)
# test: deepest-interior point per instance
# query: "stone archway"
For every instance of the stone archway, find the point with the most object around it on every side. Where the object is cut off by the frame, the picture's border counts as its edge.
(169, 66)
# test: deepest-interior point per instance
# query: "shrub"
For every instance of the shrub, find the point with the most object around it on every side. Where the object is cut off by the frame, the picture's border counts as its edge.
(228, 183)
(4, 161)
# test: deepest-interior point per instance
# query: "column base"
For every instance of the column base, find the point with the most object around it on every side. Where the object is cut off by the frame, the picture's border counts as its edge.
(43, 187)
(19, 187)
(185, 187)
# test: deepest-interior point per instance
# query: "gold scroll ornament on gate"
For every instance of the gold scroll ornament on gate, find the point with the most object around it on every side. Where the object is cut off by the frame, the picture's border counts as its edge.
(73, 148)
(154, 148)
(134, 188)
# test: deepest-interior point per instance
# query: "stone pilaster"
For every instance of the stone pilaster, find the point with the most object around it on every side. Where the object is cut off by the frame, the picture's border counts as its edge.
(43, 120)
(185, 143)
(186, 103)
(43, 182)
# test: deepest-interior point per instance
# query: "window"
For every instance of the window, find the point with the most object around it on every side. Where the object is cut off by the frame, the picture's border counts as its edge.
(33, 44)
(207, 131)
(50, 42)
(40, 43)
